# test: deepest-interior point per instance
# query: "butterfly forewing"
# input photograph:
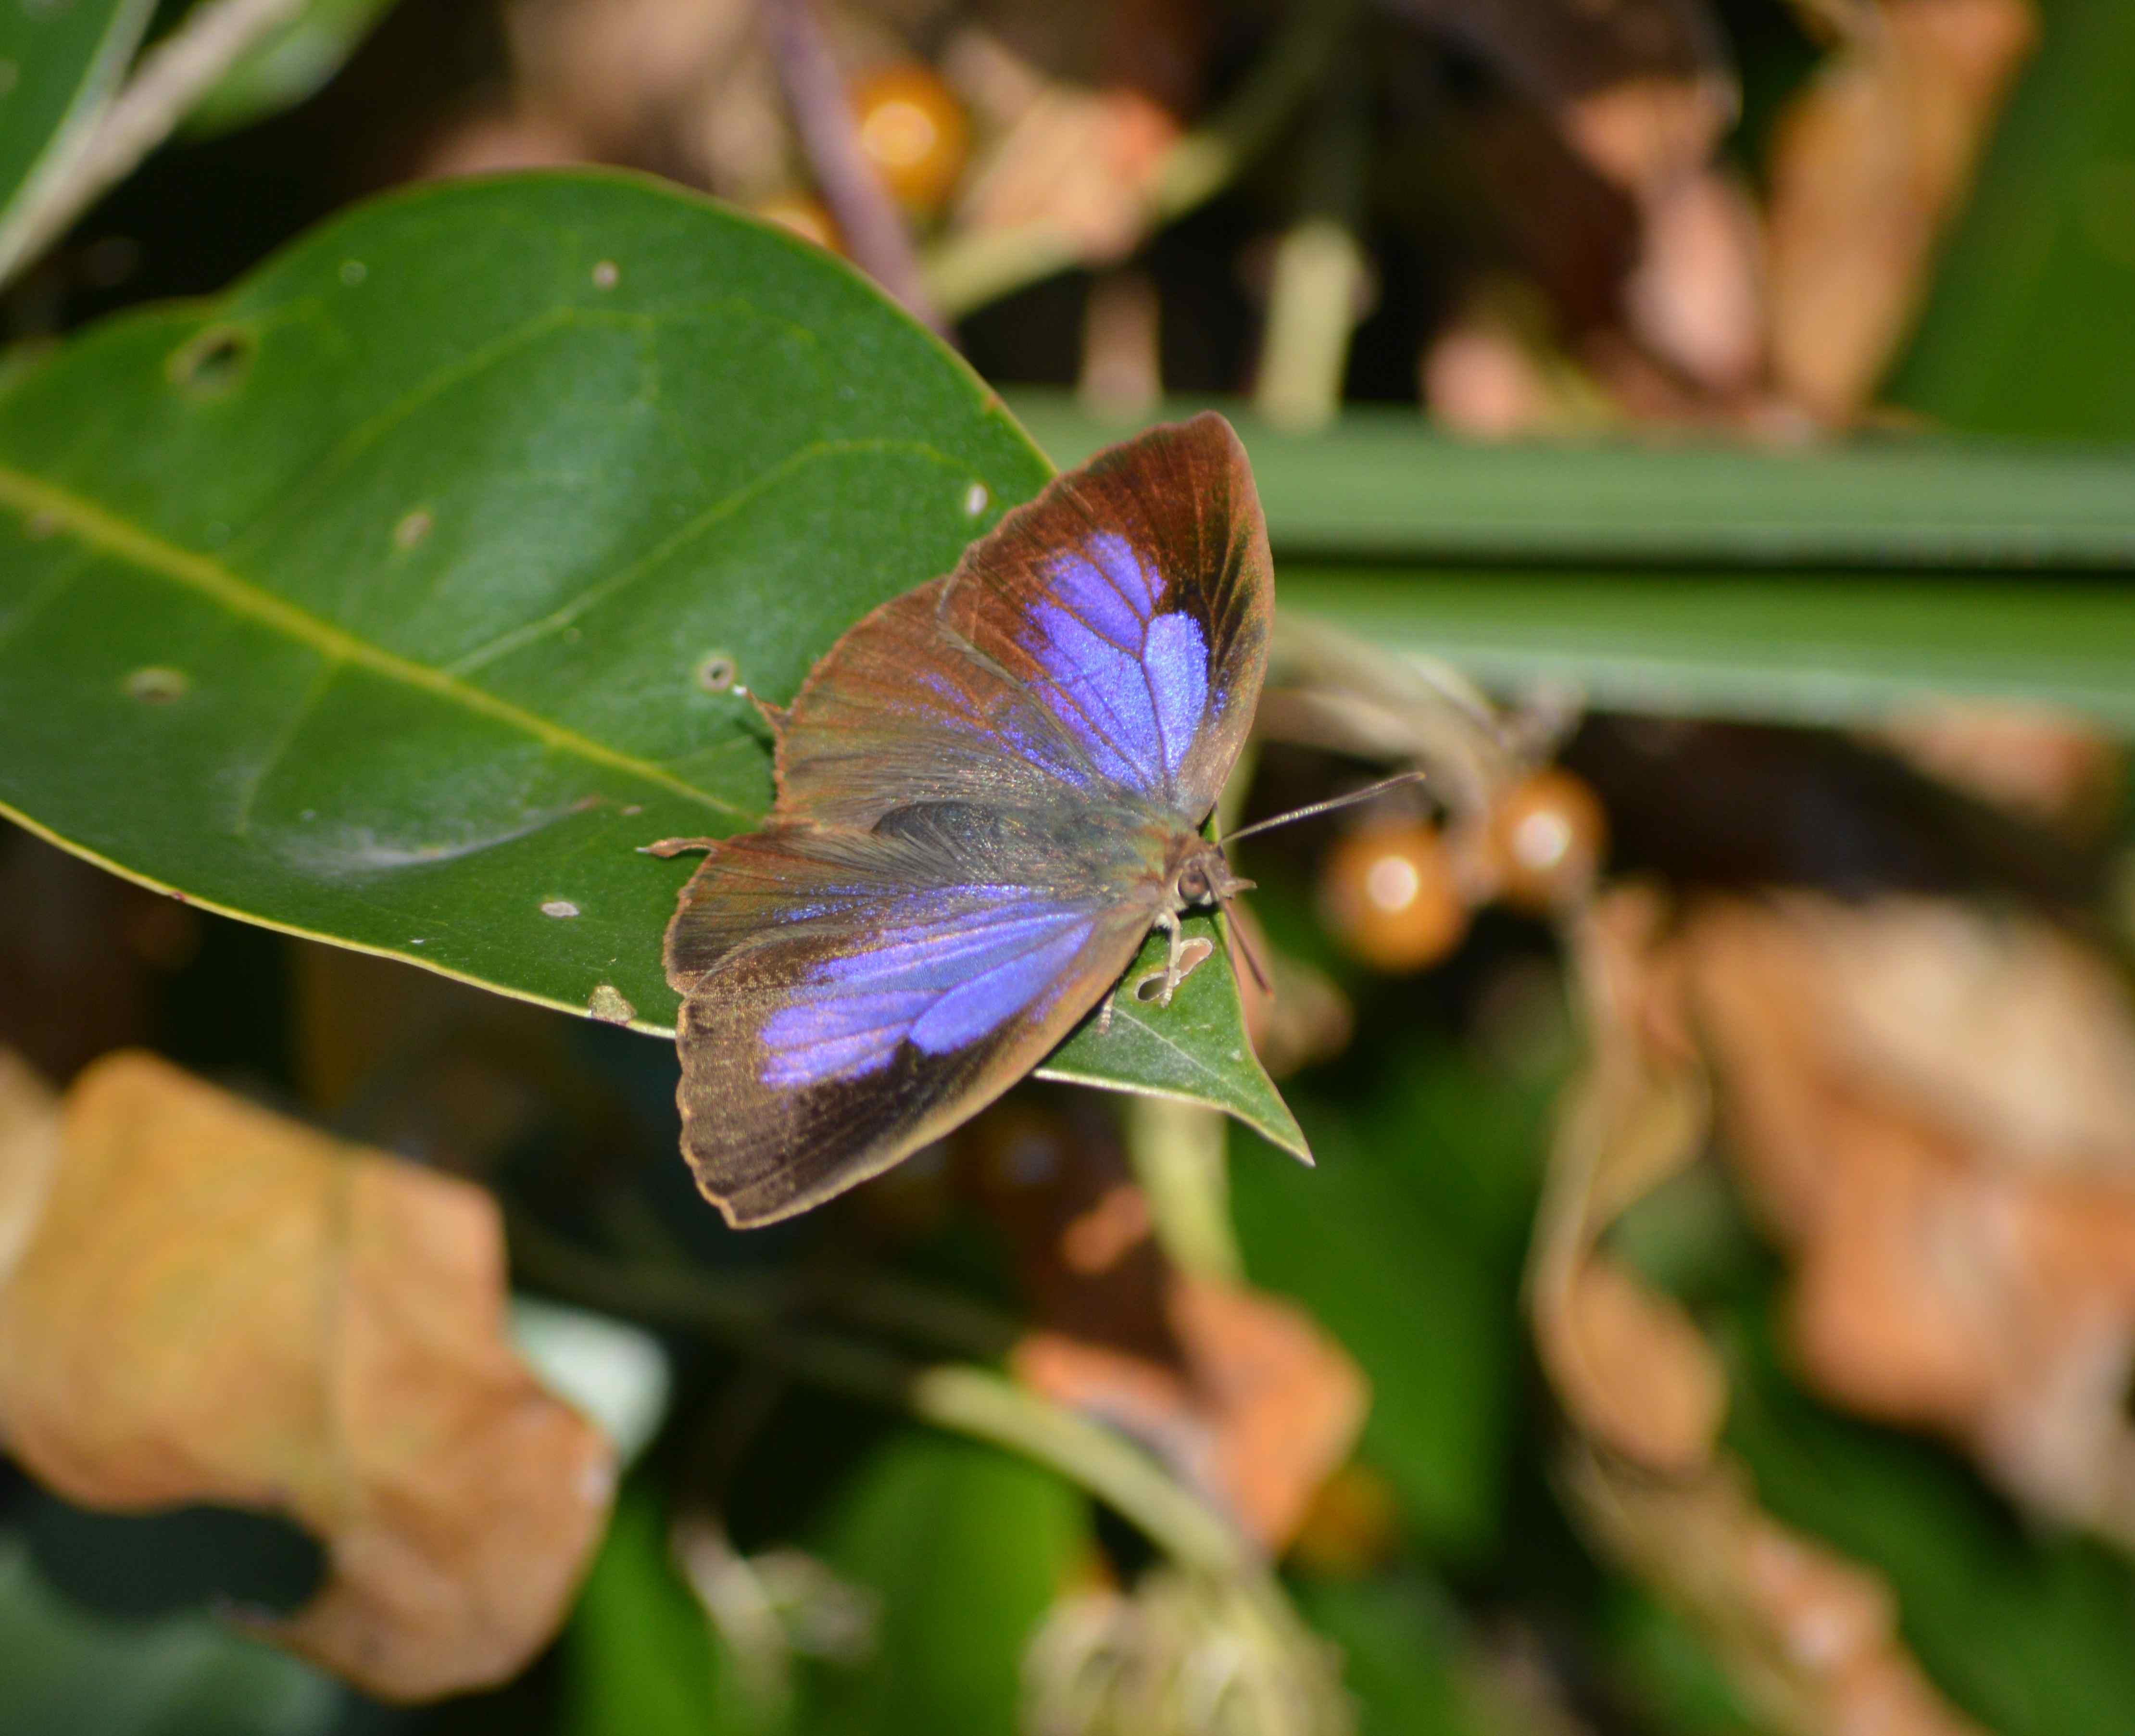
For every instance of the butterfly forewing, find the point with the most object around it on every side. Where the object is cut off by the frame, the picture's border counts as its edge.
(980, 786)
(1104, 645)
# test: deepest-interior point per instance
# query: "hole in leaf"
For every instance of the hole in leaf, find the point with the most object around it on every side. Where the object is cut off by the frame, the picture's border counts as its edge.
(157, 687)
(213, 361)
(716, 672)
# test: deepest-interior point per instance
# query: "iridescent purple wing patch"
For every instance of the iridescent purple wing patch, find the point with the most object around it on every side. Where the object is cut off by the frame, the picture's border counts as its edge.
(1130, 682)
(950, 967)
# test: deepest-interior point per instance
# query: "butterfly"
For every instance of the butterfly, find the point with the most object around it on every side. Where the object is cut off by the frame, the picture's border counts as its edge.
(990, 790)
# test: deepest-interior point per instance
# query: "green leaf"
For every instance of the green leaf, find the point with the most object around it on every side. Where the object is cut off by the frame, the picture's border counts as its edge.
(1401, 1654)
(967, 1548)
(57, 65)
(374, 600)
(293, 62)
(1196, 1048)
(2027, 1630)
(177, 1675)
(1381, 484)
(1386, 1245)
(639, 1658)
(1820, 648)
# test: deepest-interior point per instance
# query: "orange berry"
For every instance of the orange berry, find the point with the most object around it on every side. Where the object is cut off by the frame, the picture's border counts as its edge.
(912, 130)
(1547, 837)
(1390, 897)
(806, 217)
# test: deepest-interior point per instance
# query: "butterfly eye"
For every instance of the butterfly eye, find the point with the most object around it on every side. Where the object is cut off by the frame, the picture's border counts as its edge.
(1193, 884)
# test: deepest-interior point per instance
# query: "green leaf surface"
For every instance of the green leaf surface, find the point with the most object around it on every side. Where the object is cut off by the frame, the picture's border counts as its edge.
(967, 1548)
(63, 1669)
(293, 62)
(374, 600)
(58, 63)
(1196, 1048)
(1381, 484)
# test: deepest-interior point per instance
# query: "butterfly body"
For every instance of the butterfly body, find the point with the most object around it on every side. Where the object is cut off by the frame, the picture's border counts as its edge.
(989, 791)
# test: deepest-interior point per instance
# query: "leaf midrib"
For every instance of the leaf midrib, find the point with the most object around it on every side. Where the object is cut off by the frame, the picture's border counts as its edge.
(105, 531)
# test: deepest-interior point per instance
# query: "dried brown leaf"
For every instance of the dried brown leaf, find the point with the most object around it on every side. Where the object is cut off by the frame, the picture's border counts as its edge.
(1932, 1109)
(1239, 1391)
(1266, 1408)
(2038, 763)
(1627, 1364)
(1809, 1637)
(216, 1304)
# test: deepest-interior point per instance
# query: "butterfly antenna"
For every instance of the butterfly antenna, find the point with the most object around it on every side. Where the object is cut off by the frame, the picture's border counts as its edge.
(1307, 811)
(1238, 937)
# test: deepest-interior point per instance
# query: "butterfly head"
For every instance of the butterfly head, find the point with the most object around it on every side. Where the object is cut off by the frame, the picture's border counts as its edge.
(1201, 873)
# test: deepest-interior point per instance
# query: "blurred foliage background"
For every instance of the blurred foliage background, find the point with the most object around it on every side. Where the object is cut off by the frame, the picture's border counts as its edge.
(1695, 432)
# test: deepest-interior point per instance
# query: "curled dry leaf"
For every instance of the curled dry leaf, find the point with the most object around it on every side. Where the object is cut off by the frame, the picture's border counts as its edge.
(1934, 1109)
(1265, 1407)
(1867, 168)
(1810, 1638)
(1630, 1368)
(1180, 1656)
(217, 1305)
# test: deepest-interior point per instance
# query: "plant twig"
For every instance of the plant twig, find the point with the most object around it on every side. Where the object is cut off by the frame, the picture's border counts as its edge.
(1320, 268)
(171, 78)
(1180, 1157)
(744, 1313)
(872, 229)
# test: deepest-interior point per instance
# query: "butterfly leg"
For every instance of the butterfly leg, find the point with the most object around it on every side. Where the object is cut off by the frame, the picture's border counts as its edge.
(677, 846)
(1172, 976)
(1105, 1014)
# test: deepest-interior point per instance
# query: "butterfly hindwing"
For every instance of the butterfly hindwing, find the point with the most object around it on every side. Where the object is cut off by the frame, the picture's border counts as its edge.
(858, 994)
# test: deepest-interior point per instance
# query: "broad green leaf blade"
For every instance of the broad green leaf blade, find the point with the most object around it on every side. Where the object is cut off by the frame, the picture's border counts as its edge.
(965, 1547)
(175, 1675)
(1807, 647)
(1196, 1048)
(380, 599)
(57, 65)
(293, 62)
(1381, 484)
(641, 1658)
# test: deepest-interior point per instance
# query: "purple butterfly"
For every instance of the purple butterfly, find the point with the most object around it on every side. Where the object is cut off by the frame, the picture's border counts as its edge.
(989, 791)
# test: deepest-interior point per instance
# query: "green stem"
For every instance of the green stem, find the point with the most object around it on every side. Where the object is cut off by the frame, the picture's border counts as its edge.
(1180, 1157)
